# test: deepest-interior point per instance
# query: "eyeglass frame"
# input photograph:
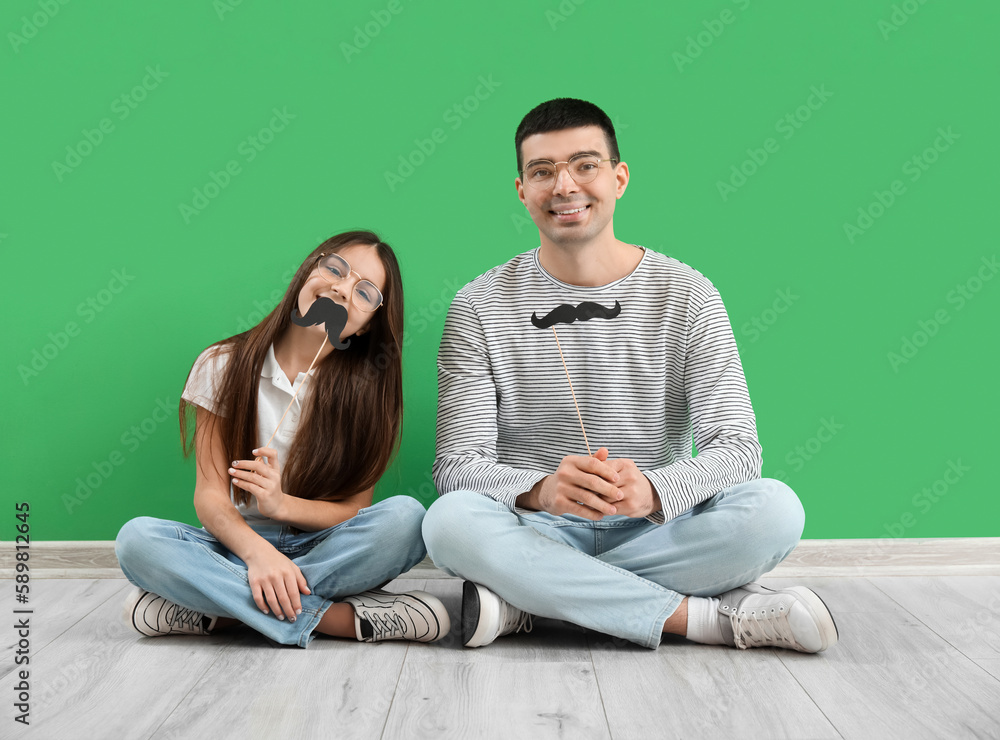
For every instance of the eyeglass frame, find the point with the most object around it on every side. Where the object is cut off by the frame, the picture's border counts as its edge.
(569, 171)
(350, 270)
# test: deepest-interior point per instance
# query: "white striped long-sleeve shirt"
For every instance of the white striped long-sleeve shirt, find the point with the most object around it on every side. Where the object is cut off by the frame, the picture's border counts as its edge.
(665, 368)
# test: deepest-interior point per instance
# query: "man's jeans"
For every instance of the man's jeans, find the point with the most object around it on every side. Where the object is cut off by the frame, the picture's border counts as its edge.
(619, 576)
(190, 567)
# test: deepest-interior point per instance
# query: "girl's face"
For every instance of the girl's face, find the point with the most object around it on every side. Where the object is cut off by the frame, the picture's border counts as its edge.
(365, 265)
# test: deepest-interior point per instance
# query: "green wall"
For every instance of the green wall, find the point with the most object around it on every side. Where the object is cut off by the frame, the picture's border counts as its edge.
(857, 262)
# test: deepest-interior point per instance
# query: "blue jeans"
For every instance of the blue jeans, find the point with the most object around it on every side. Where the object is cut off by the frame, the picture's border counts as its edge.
(619, 576)
(190, 567)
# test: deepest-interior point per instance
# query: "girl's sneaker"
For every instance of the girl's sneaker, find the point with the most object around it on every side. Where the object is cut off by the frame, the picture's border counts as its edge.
(154, 616)
(416, 615)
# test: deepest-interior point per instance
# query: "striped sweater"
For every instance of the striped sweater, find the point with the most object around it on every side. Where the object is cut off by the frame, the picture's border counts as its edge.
(664, 370)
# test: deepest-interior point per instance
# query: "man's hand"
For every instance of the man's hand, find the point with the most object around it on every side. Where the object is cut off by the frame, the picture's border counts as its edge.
(582, 486)
(639, 498)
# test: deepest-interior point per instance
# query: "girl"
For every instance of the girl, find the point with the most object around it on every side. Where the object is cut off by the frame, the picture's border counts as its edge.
(292, 544)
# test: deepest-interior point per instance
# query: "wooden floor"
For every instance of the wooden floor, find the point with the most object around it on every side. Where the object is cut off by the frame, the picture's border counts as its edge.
(919, 657)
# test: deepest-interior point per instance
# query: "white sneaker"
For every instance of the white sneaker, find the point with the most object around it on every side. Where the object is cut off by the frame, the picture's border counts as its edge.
(485, 616)
(416, 615)
(154, 616)
(795, 618)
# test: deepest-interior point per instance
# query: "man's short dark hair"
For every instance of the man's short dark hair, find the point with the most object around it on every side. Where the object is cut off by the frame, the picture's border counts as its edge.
(562, 113)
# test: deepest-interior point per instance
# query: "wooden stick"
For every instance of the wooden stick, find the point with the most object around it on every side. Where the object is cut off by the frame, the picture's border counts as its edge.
(294, 395)
(578, 414)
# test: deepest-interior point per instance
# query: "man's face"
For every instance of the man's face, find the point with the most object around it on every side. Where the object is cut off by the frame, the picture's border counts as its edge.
(567, 212)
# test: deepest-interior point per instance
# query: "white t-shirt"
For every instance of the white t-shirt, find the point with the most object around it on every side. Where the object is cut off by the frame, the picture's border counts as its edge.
(273, 397)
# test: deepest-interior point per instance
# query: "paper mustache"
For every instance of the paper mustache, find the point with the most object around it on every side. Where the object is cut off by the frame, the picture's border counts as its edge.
(567, 314)
(325, 311)
(322, 311)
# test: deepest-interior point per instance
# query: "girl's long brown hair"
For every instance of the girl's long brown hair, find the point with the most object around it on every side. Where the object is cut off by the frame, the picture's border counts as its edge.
(350, 428)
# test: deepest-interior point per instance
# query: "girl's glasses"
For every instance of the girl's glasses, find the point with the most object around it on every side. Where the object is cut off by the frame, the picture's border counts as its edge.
(335, 268)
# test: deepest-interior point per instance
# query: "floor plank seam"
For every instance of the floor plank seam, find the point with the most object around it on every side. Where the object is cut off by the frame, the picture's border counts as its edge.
(219, 655)
(806, 692)
(979, 667)
(889, 596)
(115, 595)
(600, 694)
(58, 637)
(933, 631)
(395, 688)
(969, 660)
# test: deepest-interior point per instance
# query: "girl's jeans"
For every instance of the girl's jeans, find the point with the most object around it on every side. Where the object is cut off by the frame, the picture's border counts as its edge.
(190, 567)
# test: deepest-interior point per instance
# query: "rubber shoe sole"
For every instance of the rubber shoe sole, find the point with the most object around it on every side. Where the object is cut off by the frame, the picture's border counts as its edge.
(480, 615)
(821, 614)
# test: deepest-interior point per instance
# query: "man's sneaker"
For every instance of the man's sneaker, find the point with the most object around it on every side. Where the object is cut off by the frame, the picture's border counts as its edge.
(485, 616)
(381, 615)
(795, 618)
(154, 616)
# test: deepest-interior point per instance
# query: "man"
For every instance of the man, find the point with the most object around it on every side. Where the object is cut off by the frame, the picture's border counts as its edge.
(639, 538)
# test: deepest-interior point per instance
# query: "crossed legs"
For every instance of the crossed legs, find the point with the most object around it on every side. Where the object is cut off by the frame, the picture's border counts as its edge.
(623, 577)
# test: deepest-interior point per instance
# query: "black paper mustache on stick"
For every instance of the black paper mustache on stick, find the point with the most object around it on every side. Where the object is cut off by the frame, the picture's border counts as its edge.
(325, 311)
(322, 311)
(567, 314)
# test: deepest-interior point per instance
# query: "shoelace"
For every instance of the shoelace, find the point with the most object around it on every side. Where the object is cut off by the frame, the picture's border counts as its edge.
(385, 624)
(761, 627)
(515, 621)
(179, 616)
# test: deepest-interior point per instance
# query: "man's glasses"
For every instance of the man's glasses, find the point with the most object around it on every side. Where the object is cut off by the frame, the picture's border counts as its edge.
(335, 268)
(583, 168)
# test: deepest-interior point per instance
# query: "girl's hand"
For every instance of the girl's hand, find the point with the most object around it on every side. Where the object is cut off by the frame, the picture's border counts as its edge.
(276, 582)
(262, 480)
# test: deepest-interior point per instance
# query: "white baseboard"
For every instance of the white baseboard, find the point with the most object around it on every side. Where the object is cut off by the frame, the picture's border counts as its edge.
(812, 558)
